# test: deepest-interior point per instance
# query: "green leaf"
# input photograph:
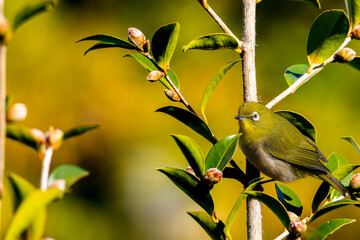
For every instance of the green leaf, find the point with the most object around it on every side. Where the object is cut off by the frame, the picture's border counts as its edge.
(29, 209)
(221, 153)
(29, 12)
(344, 171)
(215, 231)
(190, 120)
(300, 122)
(70, 173)
(79, 130)
(100, 45)
(213, 84)
(316, 3)
(148, 65)
(164, 43)
(293, 73)
(332, 206)
(192, 153)
(289, 199)
(351, 140)
(114, 41)
(8, 102)
(335, 161)
(213, 41)
(321, 194)
(353, 10)
(326, 36)
(238, 204)
(273, 204)
(326, 229)
(192, 186)
(21, 134)
(355, 63)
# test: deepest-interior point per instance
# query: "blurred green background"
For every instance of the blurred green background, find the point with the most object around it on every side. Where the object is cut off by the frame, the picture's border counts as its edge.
(125, 197)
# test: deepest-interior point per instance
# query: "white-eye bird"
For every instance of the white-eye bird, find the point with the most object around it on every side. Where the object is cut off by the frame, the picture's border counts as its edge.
(278, 149)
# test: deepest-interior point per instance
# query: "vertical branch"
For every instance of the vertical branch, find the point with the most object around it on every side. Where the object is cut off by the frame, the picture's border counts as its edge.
(253, 207)
(45, 169)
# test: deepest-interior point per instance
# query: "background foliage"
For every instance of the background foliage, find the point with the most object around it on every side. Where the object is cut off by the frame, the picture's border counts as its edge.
(124, 195)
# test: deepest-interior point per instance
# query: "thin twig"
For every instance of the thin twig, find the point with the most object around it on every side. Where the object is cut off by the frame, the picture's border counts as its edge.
(45, 169)
(304, 78)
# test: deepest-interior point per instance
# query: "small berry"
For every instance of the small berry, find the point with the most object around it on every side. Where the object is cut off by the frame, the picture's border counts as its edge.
(172, 95)
(297, 228)
(213, 175)
(355, 182)
(16, 112)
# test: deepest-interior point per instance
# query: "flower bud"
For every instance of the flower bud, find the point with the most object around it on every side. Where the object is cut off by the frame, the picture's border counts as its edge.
(54, 137)
(297, 228)
(213, 175)
(16, 112)
(137, 37)
(355, 182)
(4, 26)
(355, 33)
(293, 216)
(154, 76)
(59, 184)
(190, 170)
(345, 55)
(172, 95)
(38, 135)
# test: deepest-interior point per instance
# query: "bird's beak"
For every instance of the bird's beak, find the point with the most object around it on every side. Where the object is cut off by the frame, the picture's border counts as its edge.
(241, 118)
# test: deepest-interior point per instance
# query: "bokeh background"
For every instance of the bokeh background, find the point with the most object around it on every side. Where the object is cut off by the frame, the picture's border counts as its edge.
(125, 197)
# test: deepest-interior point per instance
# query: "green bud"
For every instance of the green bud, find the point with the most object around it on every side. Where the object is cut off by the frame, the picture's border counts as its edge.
(213, 175)
(172, 95)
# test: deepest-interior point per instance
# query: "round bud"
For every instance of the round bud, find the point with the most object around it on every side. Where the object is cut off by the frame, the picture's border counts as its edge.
(345, 55)
(190, 170)
(137, 37)
(59, 184)
(355, 33)
(172, 95)
(4, 27)
(297, 227)
(16, 112)
(54, 137)
(213, 175)
(154, 76)
(355, 182)
(38, 135)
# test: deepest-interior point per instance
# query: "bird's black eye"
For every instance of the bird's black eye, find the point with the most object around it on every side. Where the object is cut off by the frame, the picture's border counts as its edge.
(255, 116)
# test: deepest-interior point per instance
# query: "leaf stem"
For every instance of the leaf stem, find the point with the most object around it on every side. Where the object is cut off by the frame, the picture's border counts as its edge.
(45, 169)
(305, 77)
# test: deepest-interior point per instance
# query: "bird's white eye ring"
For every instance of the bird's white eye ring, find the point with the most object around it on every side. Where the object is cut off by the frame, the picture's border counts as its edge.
(255, 116)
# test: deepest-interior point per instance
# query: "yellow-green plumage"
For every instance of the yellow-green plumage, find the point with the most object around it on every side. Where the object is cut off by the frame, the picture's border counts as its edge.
(278, 149)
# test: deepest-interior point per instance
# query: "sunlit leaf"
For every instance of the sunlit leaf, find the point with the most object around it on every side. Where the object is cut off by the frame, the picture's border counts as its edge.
(213, 41)
(335, 161)
(110, 40)
(293, 73)
(355, 63)
(332, 206)
(214, 230)
(21, 134)
(29, 209)
(29, 12)
(221, 153)
(353, 10)
(213, 84)
(353, 142)
(190, 120)
(273, 204)
(344, 171)
(289, 199)
(70, 173)
(164, 43)
(300, 122)
(192, 186)
(326, 36)
(326, 229)
(79, 130)
(316, 3)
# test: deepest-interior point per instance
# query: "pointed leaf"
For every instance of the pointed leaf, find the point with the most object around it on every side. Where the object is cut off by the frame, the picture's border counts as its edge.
(192, 186)
(293, 73)
(300, 122)
(29, 12)
(79, 130)
(213, 41)
(70, 173)
(326, 36)
(106, 39)
(273, 204)
(351, 140)
(21, 134)
(215, 231)
(34, 204)
(332, 206)
(326, 229)
(221, 153)
(289, 199)
(148, 65)
(164, 43)
(192, 153)
(190, 120)
(213, 84)
(321, 194)
(316, 3)
(100, 45)
(355, 63)
(353, 10)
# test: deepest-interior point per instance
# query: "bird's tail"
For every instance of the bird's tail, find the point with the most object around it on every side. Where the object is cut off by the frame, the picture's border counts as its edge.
(335, 183)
